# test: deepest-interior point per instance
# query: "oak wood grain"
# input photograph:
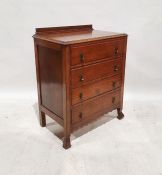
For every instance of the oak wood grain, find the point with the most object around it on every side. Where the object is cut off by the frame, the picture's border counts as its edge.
(74, 34)
(51, 78)
(93, 52)
(88, 108)
(83, 75)
(80, 75)
(95, 88)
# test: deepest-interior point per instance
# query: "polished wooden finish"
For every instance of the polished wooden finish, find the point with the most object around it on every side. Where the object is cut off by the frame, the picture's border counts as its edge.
(85, 54)
(95, 88)
(83, 75)
(80, 75)
(74, 34)
(109, 101)
(51, 79)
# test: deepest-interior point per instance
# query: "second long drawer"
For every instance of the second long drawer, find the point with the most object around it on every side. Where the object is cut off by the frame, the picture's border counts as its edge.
(85, 74)
(95, 88)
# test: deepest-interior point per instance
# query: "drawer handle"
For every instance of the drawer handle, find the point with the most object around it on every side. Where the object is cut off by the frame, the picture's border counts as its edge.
(113, 100)
(81, 58)
(81, 78)
(81, 95)
(116, 51)
(80, 115)
(116, 68)
(114, 84)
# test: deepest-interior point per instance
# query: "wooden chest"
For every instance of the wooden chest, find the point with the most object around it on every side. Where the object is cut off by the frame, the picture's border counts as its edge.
(80, 75)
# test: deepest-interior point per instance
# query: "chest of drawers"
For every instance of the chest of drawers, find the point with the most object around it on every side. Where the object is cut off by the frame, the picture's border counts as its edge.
(80, 75)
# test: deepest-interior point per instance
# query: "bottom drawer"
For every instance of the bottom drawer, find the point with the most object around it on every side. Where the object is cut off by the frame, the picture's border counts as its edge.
(88, 109)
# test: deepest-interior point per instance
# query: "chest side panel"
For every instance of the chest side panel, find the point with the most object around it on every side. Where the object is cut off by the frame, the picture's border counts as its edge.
(51, 78)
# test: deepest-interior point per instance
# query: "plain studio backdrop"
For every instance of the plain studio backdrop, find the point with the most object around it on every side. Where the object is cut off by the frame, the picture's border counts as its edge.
(141, 20)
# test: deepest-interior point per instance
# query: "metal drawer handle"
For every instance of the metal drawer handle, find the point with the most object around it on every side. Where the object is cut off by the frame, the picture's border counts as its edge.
(81, 78)
(81, 57)
(113, 100)
(80, 115)
(116, 68)
(114, 84)
(81, 95)
(116, 51)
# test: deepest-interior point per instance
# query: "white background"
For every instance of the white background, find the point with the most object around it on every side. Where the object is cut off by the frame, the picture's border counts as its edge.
(141, 20)
(128, 147)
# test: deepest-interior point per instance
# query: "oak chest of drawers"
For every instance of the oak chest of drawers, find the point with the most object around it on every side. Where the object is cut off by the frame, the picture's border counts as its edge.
(80, 75)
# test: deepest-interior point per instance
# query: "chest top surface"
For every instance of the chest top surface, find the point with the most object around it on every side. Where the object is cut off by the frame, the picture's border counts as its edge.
(73, 34)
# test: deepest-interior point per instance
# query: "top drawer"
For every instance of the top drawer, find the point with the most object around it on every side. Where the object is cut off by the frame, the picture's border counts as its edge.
(94, 52)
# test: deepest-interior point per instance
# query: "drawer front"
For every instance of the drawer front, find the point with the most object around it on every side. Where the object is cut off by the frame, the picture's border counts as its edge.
(89, 108)
(81, 76)
(95, 88)
(94, 52)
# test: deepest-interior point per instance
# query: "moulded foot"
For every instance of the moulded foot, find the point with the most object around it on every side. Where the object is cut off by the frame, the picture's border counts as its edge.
(66, 143)
(120, 114)
(42, 119)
